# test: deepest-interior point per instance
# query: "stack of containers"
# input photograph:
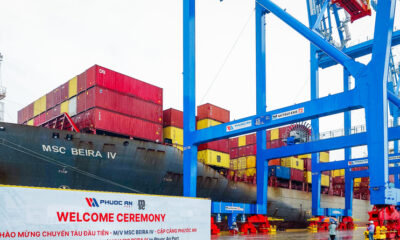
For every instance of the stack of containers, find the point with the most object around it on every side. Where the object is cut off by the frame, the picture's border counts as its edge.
(243, 151)
(173, 128)
(102, 100)
(325, 176)
(214, 153)
(296, 166)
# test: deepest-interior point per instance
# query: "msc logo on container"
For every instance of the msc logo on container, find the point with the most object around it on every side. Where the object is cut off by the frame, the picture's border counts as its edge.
(92, 202)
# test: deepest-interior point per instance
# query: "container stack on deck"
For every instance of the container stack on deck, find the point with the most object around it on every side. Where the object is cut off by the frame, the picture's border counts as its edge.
(214, 153)
(242, 151)
(173, 128)
(102, 100)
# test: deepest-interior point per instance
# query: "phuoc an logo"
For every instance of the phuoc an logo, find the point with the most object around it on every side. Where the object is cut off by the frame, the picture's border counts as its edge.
(92, 202)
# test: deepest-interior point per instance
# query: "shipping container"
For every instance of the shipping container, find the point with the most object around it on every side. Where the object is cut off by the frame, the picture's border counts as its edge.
(39, 106)
(274, 162)
(338, 173)
(110, 100)
(251, 172)
(268, 135)
(242, 163)
(276, 143)
(324, 156)
(284, 132)
(205, 123)
(251, 150)
(214, 158)
(53, 112)
(103, 77)
(72, 106)
(338, 180)
(64, 107)
(325, 180)
(234, 164)
(251, 139)
(173, 117)
(49, 100)
(209, 111)
(303, 156)
(38, 120)
(57, 96)
(174, 134)
(251, 161)
(108, 121)
(64, 91)
(274, 134)
(29, 112)
(307, 164)
(242, 141)
(219, 146)
(234, 153)
(234, 142)
(242, 151)
(307, 177)
(279, 172)
(30, 123)
(296, 175)
(293, 162)
(73, 87)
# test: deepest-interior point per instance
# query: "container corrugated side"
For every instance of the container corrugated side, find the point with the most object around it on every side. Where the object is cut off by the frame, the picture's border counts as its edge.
(296, 175)
(279, 172)
(64, 92)
(209, 111)
(242, 141)
(110, 100)
(251, 139)
(173, 117)
(251, 161)
(121, 124)
(214, 158)
(73, 87)
(233, 142)
(72, 106)
(219, 146)
(174, 134)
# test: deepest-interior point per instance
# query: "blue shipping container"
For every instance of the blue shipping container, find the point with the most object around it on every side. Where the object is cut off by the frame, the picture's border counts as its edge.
(279, 172)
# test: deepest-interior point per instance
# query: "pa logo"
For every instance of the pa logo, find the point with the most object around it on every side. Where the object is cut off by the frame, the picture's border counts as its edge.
(92, 202)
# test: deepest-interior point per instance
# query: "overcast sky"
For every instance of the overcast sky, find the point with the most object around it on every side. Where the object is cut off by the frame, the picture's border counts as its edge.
(47, 42)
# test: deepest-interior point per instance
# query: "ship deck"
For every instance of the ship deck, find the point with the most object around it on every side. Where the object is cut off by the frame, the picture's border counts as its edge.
(298, 235)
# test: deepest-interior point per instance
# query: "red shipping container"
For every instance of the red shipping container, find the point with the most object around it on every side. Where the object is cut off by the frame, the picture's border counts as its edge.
(268, 145)
(251, 139)
(39, 119)
(101, 76)
(391, 178)
(234, 153)
(209, 111)
(117, 123)
(110, 100)
(49, 100)
(64, 91)
(338, 180)
(307, 164)
(274, 162)
(268, 135)
(296, 175)
(173, 117)
(283, 131)
(251, 150)
(328, 173)
(29, 112)
(277, 143)
(57, 96)
(365, 179)
(219, 146)
(242, 151)
(19, 120)
(234, 142)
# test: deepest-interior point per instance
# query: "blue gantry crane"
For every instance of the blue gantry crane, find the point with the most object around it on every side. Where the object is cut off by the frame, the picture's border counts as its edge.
(376, 84)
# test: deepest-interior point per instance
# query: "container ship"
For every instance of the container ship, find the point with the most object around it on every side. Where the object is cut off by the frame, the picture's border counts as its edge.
(105, 131)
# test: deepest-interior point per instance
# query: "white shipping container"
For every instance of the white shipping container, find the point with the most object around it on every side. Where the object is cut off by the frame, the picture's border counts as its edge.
(72, 106)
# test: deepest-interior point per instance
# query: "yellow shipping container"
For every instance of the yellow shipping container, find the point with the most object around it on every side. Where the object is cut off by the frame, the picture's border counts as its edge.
(205, 123)
(234, 164)
(251, 161)
(324, 156)
(242, 141)
(275, 134)
(305, 156)
(30, 122)
(242, 163)
(72, 87)
(214, 158)
(293, 162)
(250, 172)
(357, 180)
(64, 107)
(241, 173)
(307, 176)
(175, 134)
(325, 180)
(39, 106)
(338, 173)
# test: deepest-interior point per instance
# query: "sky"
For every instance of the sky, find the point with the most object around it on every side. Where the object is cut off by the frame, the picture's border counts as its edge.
(47, 42)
